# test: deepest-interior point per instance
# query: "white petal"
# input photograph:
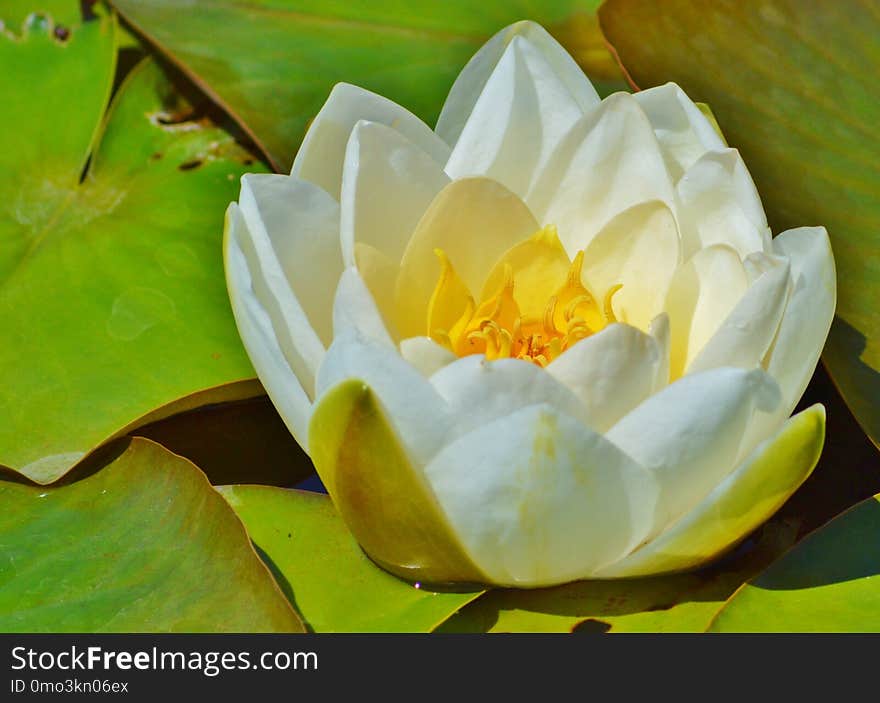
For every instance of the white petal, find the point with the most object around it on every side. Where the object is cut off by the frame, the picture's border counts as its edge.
(300, 223)
(701, 295)
(749, 329)
(609, 161)
(258, 336)
(354, 308)
(522, 113)
(683, 131)
(301, 345)
(474, 220)
(425, 354)
(414, 407)
(659, 330)
(639, 250)
(478, 391)
(611, 372)
(470, 82)
(809, 312)
(739, 504)
(379, 273)
(387, 184)
(719, 204)
(690, 434)
(539, 499)
(321, 155)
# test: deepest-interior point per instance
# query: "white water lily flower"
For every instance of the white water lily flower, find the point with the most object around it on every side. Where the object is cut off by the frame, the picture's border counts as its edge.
(550, 340)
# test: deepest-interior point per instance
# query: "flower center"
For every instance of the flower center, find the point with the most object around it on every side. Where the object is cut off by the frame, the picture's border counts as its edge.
(534, 305)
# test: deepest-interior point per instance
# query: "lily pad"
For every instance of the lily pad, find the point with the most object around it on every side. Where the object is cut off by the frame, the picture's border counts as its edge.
(793, 85)
(674, 603)
(142, 545)
(112, 299)
(830, 582)
(330, 581)
(272, 63)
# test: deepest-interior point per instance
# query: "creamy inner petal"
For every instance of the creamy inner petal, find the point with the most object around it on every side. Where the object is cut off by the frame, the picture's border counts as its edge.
(322, 154)
(522, 113)
(611, 372)
(387, 184)
(608, 161)
(471, 81)
(639, 250)
(701, 295)
(720, 205)
(681, 128)
(746, 333)
(474, 221)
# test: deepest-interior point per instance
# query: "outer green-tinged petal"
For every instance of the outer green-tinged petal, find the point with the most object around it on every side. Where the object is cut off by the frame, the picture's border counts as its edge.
(322, 154)
(638, 249)
(470, 82)
(749, 329)
(611, 372)
(258, 334)
(479, 391)
(720, 205)
(473, 220)
(522, 113)
(538, 498)
(299, 223)
(419, 413)
(690, 433)
(681, 128)
(384, 499)
(425, 354)
(739, 504)
(809, 312)
(387, 184)
(609, 161)
(703, 292)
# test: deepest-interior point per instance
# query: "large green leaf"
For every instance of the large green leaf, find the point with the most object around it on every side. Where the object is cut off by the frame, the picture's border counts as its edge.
(143, 544)
(112, 301)
(325, 574)
(793, 85)
(273, 62)
(675, 603)
(830, 582)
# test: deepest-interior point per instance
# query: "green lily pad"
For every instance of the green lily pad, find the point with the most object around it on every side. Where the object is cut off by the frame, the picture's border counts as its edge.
(142, 545)
(330, 581)
(112, 299)
(272, 63)
(829, 582)
(793, 85)
(675, 603)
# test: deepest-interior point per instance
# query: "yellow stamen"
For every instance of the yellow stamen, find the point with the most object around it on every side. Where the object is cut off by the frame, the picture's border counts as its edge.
(520, 314)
